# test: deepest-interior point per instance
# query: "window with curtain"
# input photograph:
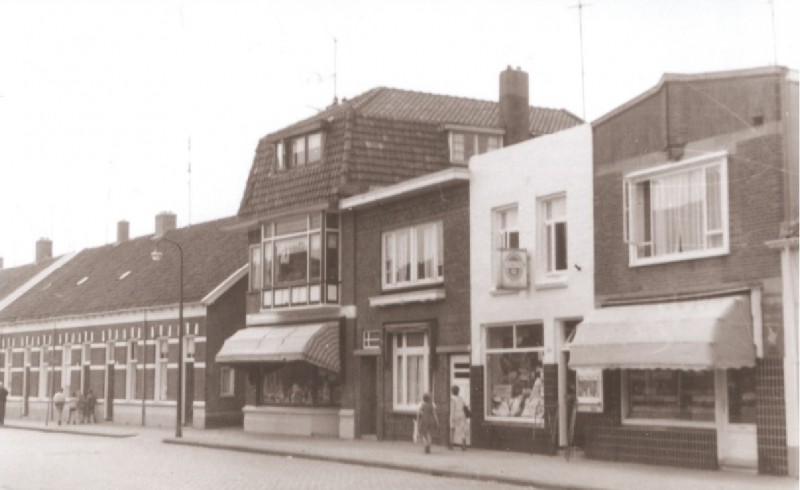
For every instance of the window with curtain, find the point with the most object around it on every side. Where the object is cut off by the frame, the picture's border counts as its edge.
(413, 256)
(677, 213)
(553, 234)
(409, 369)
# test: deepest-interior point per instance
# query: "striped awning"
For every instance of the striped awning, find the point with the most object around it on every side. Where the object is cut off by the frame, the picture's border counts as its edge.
(693, 335)
(316, 344)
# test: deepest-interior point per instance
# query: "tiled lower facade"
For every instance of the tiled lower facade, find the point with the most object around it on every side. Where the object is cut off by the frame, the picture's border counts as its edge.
(771, 417)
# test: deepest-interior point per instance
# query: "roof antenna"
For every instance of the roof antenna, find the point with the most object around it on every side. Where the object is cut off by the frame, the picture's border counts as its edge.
(335, 98)
(774, 40)
(580, 6)
(189, 179)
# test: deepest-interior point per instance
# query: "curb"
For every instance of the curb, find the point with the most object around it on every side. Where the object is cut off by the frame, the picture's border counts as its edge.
(67, 431)
(447, 473)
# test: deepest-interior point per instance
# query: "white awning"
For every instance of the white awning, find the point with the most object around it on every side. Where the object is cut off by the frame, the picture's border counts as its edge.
(317, 344)
(691, 335)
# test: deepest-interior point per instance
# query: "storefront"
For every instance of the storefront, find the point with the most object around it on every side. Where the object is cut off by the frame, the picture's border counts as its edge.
(678, 383)
(294, 383)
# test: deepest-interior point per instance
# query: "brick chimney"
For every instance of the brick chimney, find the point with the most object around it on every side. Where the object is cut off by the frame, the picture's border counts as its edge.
(514, 106)
(123, 231)
(44, 250)
(165, 221)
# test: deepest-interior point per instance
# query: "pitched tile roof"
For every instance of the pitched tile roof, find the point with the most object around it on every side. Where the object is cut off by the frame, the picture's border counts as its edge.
(13, 278)
(380, 137)
(210, 256)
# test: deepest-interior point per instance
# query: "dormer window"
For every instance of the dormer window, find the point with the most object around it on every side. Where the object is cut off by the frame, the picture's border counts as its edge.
(299, 151)
(466, 143)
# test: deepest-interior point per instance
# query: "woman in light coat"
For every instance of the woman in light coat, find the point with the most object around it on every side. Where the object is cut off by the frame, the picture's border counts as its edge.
(458, 420)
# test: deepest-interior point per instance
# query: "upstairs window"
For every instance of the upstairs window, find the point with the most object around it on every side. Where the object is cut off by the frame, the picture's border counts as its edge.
(465, 144)
(413, 255)
(255, 273)
(298, 151)
(506, 228)
(677, 212)
(553, 232)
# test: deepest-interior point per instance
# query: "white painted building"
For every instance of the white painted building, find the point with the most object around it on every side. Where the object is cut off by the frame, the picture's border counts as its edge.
(532, 280)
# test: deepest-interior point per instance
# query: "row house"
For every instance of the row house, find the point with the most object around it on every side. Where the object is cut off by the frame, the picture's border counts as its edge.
(532, 268)
(689, 357)
(303, 351)
(106, 319)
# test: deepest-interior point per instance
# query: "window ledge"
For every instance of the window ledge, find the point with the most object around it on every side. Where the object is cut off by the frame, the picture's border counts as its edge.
(666, 259)
(505, 292)
(421, 296)
(668, 424)
(559, 283)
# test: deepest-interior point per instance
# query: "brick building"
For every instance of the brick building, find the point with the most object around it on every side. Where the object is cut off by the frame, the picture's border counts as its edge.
(532, 282)
(691, 180)
(302, 312)
(106, 320)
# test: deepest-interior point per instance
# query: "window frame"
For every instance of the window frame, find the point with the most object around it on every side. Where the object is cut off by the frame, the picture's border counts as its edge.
(66, 366)
(44, 367)
(227, 373)
(631, 218)
(161, 384)
(458, 137)
(487, 351)
(400, 349)
(547, 241)
(626, 419)
(131, 364)
(296, 151)
(414, 236)
(256, 271)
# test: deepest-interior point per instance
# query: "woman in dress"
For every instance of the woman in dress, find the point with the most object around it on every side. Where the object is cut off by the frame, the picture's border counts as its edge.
(427, 420)
(458, 420)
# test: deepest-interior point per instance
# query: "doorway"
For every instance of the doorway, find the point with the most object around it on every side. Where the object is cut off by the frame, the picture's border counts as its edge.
(368, 394)
(566, 385)
(737, 442)
(459, 376)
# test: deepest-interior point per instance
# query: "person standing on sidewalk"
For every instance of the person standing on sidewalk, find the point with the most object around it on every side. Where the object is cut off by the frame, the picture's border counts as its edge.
(91, 406)
(72, 405)
(3, 397)
(458, 420)
(427, 420)
(58, 403)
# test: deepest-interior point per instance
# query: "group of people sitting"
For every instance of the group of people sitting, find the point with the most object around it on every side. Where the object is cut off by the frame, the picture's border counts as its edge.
(81, 409)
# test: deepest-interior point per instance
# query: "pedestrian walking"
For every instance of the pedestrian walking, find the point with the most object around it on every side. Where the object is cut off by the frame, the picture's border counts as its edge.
(427, 421)
(72, 405)
(3, 397)
(458, 420)
(58, 403)
(91, 406)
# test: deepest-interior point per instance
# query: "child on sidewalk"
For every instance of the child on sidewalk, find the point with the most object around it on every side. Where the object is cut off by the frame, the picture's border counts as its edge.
(427, 421)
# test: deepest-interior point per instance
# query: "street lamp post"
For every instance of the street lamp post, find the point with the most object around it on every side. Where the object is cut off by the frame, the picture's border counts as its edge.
(156, 256)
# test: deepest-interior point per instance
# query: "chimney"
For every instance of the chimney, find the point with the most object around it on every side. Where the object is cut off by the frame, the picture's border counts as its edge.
(123, 231)
(165, 221)
(514, 106)
(44, 250)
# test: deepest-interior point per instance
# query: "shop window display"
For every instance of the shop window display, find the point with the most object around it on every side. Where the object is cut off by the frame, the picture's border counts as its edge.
(514, 373)
(671, 395)
(301, 384)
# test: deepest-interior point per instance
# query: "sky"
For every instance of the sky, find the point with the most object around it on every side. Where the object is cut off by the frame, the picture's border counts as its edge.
(105, 105)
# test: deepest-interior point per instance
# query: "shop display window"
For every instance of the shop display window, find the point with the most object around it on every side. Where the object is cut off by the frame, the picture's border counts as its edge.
(301, 384)
(670, 395)
(742, 396)
(514, 373)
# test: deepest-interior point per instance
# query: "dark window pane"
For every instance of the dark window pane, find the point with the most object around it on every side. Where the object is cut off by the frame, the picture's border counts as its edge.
(561, 246)
(332, 258)
(742, 396)
(500, 337)
(530, 336)
(315, 257)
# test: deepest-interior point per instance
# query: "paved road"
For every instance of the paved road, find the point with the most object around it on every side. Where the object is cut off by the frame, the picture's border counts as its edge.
(35, 460)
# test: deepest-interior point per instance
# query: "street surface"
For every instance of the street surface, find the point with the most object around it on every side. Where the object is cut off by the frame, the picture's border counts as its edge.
(36, 460)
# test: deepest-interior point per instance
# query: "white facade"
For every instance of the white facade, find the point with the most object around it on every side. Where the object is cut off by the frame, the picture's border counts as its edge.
(555, 168)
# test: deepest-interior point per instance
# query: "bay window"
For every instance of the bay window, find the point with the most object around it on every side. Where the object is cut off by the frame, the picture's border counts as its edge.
(299, 260)
(413, 256)
(678, 211)
(515, 373)
(409, 369)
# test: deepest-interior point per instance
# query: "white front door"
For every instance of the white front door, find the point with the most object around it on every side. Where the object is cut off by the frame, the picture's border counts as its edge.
(459, 376)
(737, 444)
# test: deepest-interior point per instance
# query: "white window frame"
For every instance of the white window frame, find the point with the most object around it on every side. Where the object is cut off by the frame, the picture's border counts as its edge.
(399, 349)
(86, 360)
(548, 246)
(627, 420)
(501, 231)
(130, 369)
(415, 233)
(487, 351)
(66, 367)
(371, 339)
(226, 373)
(457, 145)
(280, 156)
(256, 270)
(110, 354)
(189, 348)
(8, 366)
(629, 186)
(161, 392)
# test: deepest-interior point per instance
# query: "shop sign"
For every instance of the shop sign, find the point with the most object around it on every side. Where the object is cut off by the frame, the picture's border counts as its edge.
(513, 269)
(589, 390)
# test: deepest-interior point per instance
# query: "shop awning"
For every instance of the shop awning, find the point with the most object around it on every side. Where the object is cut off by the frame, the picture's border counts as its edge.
(317, 344)
(691, 335)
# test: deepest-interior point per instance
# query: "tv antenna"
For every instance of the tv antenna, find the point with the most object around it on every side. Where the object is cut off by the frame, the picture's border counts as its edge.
(580, 6)
(189, 178)
(335, 52)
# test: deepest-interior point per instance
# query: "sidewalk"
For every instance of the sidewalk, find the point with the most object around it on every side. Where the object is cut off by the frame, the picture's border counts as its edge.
(552, 472)
(506, 467)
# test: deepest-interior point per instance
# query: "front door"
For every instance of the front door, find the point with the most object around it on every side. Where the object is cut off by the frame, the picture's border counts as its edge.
(737, 443)
(459, 376)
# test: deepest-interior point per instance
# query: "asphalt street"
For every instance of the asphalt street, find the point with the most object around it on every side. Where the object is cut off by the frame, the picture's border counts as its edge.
(36, 460)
